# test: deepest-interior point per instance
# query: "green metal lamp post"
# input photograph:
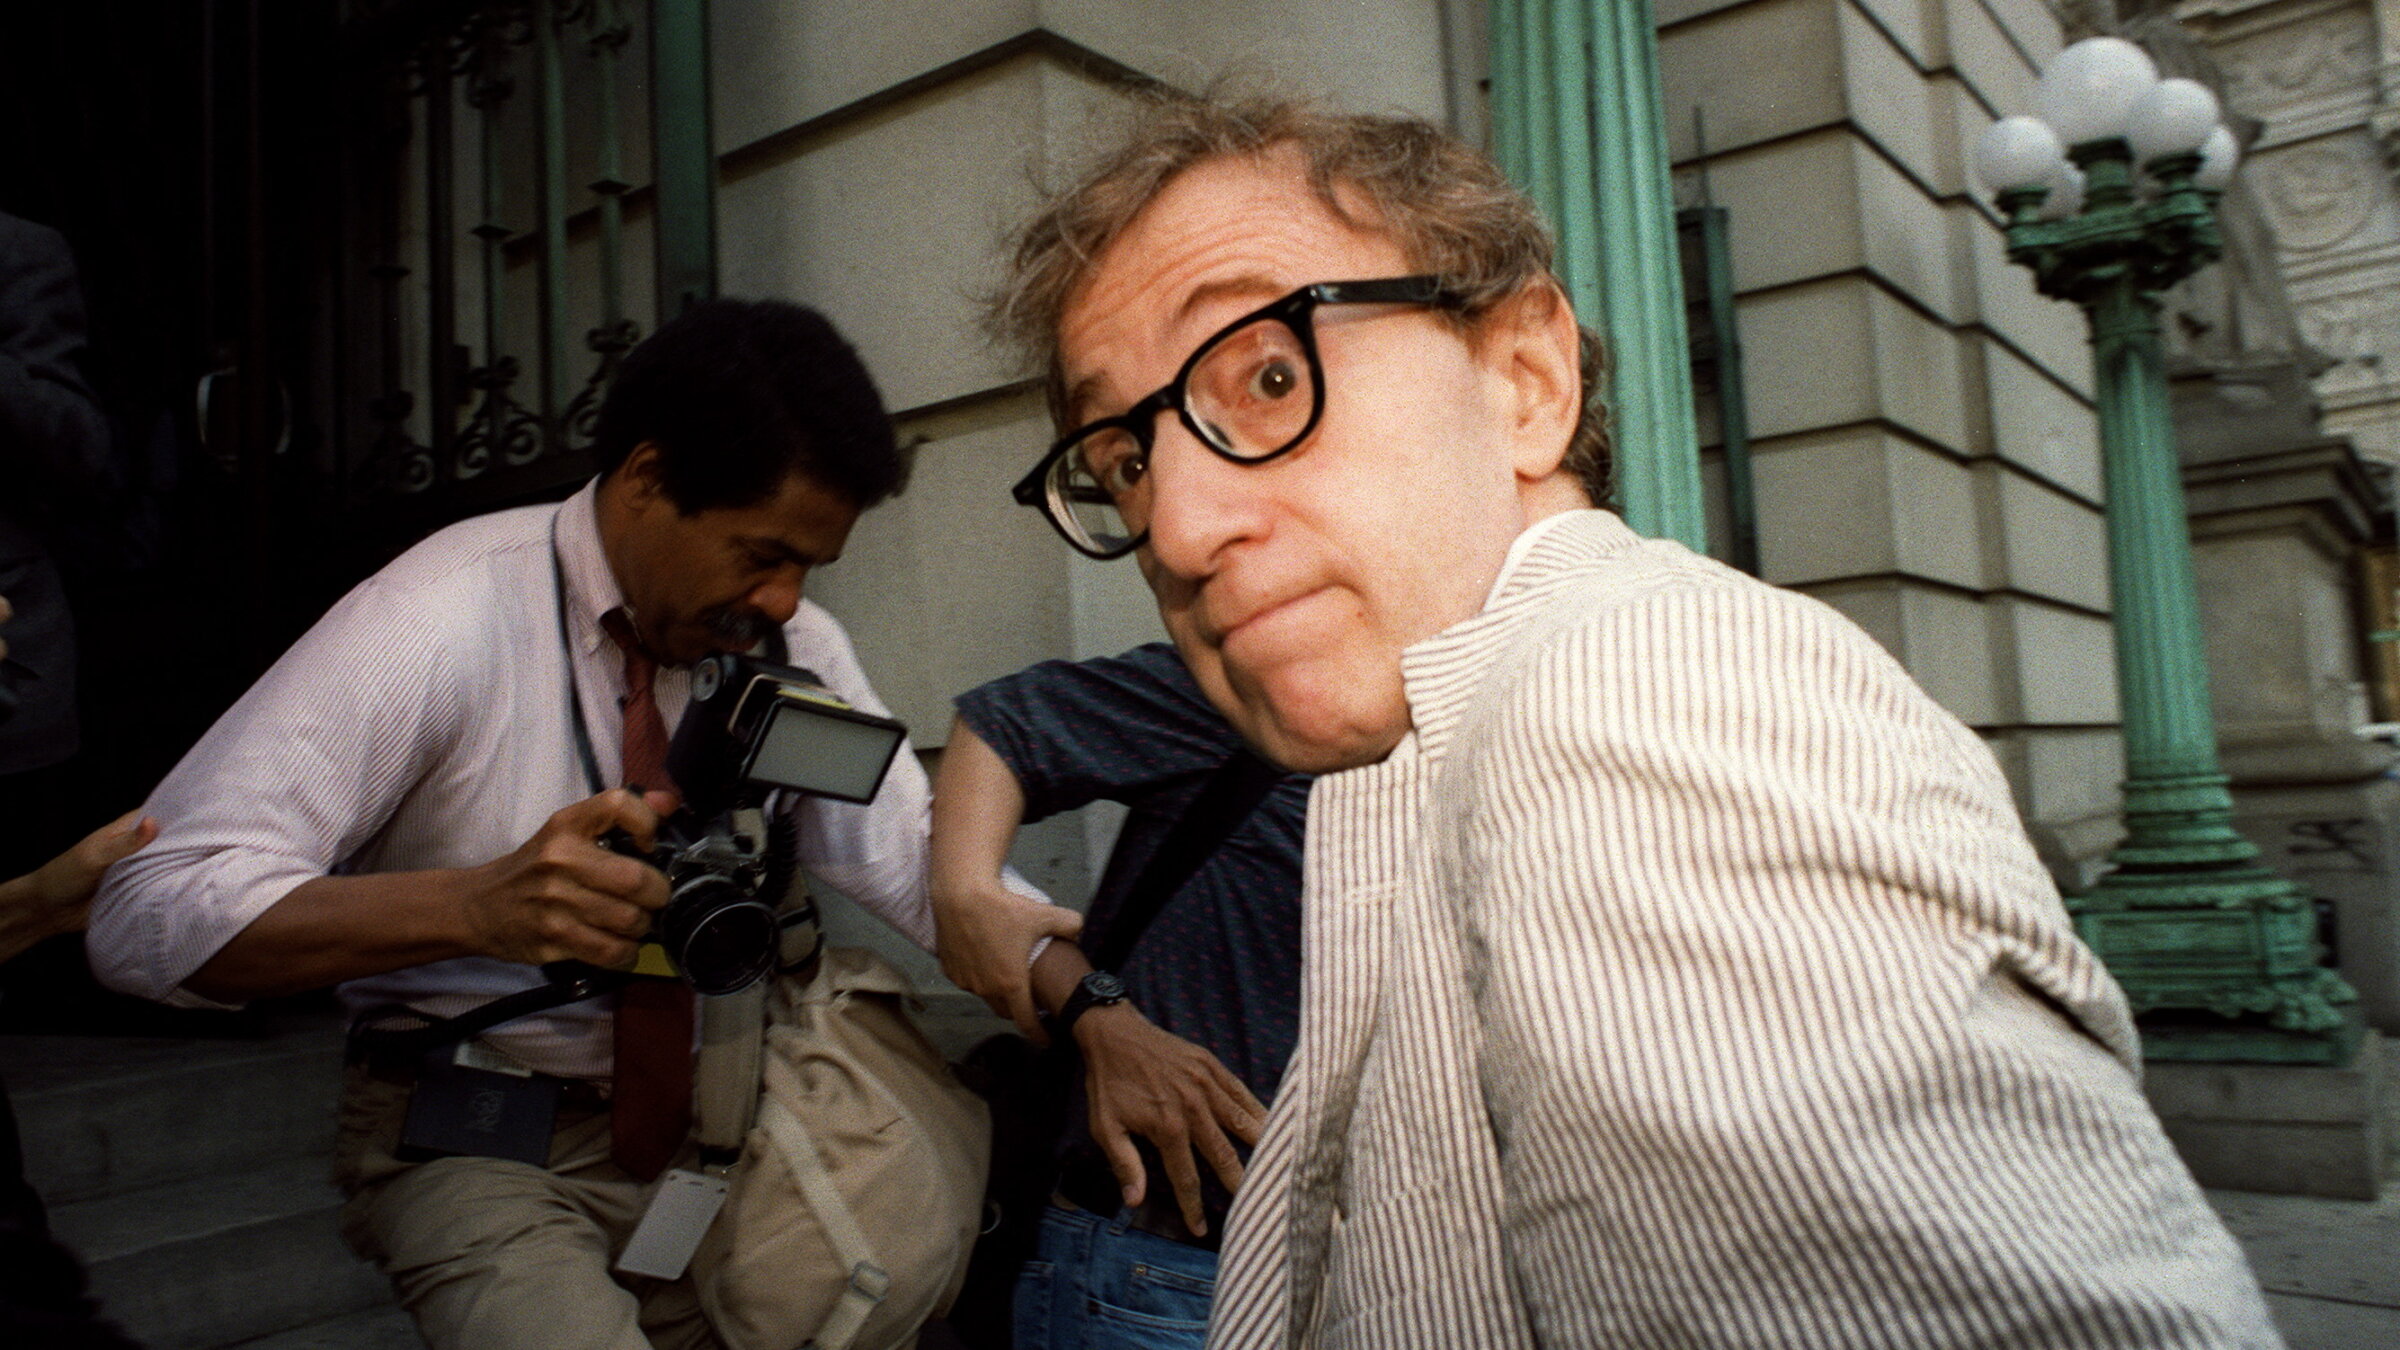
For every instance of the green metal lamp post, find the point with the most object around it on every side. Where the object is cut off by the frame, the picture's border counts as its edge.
(2216, 951)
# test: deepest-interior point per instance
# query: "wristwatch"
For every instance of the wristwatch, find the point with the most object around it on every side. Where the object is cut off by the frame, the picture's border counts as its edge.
(1096, 990)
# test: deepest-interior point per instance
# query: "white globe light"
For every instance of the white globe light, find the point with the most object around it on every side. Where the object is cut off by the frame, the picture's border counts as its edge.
(2218, 156)
(2172, 119)
(2066, 193)
(2017, 152)
(2089, 91)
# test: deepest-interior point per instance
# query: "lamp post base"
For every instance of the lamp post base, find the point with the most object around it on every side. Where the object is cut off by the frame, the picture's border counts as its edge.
(2244, 1040)
(2220, 963)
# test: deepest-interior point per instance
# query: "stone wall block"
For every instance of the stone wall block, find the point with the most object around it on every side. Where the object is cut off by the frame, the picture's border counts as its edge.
(1812, 178)
(892, 228)
(952, 584)
(1890, 99)
(2065, 662)
(1950, 651)
(1715, 63)
(2036, 424)
(2284, 1129)
(2072, 773)
(1917, 376)
(1914, 26)
(1984, 56)
(2049, 333)
(1939, 635)
(1824, 507)
(2279, 623)
(1936, 534)
(1380, 57)
(1813, 346)
(772, 66)
(2051, 545)
(2065, 779)
(1668, 13)
(1906, 234)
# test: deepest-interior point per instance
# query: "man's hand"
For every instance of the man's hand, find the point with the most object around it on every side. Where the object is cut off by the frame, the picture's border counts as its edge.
(1141, 1080)
(985, 934)
(562, 895)
(58, 898)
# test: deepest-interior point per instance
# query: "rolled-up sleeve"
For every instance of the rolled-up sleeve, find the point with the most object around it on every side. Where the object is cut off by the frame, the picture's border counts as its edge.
(295, 778)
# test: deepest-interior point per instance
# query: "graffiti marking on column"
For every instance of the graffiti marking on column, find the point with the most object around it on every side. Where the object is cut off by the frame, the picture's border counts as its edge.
(2349, 836)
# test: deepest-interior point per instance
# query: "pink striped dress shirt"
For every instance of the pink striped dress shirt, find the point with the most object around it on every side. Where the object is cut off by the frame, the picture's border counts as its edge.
(423, 723)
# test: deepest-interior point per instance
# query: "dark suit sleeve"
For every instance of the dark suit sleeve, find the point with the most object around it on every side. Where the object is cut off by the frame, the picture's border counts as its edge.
(53, 439)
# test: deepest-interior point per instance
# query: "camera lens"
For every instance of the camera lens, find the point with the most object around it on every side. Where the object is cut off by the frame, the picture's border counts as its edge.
(722, 940)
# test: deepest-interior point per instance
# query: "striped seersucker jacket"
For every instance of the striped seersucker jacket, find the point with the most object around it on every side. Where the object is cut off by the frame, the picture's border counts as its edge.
(1686, 979)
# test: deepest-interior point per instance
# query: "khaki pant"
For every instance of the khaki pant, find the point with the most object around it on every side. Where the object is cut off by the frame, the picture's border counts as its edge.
(489, 1254)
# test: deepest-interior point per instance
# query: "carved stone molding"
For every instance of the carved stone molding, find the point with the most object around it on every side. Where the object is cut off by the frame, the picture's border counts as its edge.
(2321, 195)
(2333, 54)
(2358, 331)
(2385, 120)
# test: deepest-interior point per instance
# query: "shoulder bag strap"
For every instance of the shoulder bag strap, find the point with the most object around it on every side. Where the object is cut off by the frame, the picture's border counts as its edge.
(1231, 794)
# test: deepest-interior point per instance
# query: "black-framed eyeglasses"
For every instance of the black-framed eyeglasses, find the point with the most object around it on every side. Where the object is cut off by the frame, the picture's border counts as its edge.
(1250, 393)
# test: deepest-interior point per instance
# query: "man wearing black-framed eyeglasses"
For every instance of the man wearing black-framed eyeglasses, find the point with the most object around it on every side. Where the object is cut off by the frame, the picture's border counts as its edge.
(1254, 390)
(1676, 971)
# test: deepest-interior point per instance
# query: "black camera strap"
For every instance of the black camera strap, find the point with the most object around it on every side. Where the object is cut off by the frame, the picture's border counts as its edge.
(398, 1030)
(377, 1031)
(566, 651)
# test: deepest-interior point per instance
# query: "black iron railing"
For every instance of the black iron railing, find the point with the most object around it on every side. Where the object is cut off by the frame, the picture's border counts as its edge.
(489, 338)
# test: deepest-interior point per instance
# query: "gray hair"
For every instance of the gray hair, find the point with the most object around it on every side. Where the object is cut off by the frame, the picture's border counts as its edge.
(1447, 205)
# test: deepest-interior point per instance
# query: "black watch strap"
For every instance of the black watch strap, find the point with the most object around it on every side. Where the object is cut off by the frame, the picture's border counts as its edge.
(1098, 989)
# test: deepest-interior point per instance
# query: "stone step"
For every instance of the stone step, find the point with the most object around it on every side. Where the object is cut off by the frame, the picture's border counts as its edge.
(215, 1260)
(107, 1115)
(385, 1328)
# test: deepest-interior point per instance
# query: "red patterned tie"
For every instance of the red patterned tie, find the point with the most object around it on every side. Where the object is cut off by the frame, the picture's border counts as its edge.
(652, 1104)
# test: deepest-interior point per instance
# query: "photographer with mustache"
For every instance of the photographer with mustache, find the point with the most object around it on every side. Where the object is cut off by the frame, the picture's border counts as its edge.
(411, 804)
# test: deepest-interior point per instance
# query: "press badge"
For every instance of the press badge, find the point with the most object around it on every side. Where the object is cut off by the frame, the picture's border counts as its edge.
(681, 1210)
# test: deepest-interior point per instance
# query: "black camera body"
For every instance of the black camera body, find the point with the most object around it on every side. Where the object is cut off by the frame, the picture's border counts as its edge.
(753, 729)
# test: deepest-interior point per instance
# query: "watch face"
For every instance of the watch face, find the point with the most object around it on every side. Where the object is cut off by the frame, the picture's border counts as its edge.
(1104, 987)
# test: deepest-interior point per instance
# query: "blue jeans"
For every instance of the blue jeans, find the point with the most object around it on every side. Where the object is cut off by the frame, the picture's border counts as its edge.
(1095, 1284)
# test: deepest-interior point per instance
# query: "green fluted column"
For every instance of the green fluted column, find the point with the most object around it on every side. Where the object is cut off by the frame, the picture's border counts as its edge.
(1577, 123)
(2178, 811)
(684, 154)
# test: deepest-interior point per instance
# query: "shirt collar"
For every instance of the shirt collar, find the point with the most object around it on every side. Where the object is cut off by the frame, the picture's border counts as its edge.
(1438, 672)
(591, 585)
(1525, 540)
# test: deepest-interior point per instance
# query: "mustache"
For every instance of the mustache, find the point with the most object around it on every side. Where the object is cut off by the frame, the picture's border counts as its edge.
(737, 629)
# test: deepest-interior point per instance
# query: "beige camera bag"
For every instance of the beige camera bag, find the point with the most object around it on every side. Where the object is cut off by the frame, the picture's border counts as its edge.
(860, 1186)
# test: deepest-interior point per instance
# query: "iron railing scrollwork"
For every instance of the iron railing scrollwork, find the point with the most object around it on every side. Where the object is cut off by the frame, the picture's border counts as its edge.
(465, 410)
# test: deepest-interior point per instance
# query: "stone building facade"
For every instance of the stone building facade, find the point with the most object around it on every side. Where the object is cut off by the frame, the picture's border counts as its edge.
(2321, 78)
(1923, 446)
(1925, 451)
